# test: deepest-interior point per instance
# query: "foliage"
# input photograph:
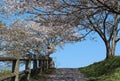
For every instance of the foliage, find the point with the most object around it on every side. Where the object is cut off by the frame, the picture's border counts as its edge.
(12, 40)
(71, 20)
(41, 40)
(108, 70)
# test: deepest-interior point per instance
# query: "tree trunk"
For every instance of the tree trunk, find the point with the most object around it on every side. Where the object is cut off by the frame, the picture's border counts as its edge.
(108, 53)
(110, 49)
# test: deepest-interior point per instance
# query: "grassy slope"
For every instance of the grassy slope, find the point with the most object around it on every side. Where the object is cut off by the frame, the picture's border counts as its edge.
(108, 70)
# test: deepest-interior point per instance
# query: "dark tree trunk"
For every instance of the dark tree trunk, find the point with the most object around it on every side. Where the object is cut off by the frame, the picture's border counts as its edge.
(110, 49)
(108, 52)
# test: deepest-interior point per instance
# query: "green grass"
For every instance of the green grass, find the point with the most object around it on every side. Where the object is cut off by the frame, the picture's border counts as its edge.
(35, 77)
(108, 70)
(39, 76)
(3, 73)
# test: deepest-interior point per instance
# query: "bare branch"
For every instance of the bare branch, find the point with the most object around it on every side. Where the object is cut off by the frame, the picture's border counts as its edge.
(109, 8)
(104, 23)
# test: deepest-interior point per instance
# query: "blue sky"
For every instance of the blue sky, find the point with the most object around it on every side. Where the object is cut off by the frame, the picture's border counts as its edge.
(81, 54)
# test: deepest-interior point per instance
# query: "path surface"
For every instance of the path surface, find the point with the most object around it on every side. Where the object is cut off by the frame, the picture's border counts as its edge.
(66, 74)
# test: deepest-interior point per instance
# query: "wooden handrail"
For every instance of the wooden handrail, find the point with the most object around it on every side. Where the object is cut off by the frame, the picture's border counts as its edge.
(7, 58)
(40, 64)
(7, 76)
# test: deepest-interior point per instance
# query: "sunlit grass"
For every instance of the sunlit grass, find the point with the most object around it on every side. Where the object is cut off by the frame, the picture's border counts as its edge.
(108, 70)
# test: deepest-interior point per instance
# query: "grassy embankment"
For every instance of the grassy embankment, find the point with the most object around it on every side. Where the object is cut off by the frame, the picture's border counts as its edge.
(107, 70)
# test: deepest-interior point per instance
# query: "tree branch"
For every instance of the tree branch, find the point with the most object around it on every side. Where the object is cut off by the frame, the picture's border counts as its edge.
(108, 7)
(101, 34)
(117, 39)
(104, 23)
(114, 27)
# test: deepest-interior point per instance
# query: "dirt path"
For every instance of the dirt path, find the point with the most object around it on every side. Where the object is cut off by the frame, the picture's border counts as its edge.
(66, 74)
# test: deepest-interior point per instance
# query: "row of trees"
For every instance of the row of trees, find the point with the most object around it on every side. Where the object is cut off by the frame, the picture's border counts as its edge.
(56, 22)
(22, 38)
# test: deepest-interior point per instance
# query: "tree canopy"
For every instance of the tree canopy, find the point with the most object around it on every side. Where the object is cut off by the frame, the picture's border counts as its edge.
(64, 21)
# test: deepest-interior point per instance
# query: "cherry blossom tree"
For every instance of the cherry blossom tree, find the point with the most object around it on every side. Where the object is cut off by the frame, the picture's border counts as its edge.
(13, 40)
(72, 20)
(93, 16)
(34, 38)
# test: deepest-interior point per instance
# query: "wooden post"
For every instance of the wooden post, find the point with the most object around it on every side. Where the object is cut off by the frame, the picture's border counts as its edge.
(43, 64)
(15, 70)
(34, 62)
(49, 60)
(34, 65)
(47, 63)
(51, 63)
(27, 68)
(40, 65)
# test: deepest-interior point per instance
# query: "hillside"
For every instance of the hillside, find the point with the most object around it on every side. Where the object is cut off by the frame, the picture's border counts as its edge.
(108, 70)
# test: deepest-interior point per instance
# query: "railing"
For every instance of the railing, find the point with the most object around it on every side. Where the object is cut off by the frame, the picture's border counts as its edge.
(39, 65)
